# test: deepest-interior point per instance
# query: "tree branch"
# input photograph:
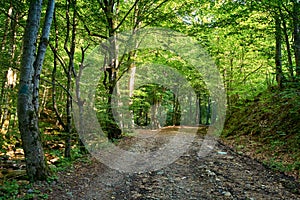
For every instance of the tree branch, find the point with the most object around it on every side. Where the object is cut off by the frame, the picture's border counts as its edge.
(124, 18)
(60, 59)
(88, 30)
(251, 73)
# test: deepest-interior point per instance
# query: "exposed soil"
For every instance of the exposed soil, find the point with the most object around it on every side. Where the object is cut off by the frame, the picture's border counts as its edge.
(223, 174)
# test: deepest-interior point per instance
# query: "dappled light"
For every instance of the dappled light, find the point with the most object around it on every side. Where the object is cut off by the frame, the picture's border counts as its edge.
(143, 99)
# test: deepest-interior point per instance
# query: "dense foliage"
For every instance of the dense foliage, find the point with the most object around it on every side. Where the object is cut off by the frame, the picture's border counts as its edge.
(255, 45)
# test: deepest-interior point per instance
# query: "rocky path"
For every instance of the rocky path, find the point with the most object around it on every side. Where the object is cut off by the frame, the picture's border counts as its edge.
(223, 174)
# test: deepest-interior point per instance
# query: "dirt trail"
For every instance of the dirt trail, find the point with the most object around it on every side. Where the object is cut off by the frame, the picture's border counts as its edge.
(223, 174)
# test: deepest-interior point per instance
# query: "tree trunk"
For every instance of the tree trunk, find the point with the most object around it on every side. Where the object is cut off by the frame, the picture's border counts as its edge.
(132, 68)
(176, 111)
(208, 111)
(68, 130)
(197, 110)
(213, 116)
(36, 165)
(296, 10)
(288, 46)
(71, 28)
(112, 128)
(9, 75)
(278, 63)
(80, 101)
(38, 63)
(53, 76)
(154, 112)
(131, 89)
(191, 110)
(200, 111)
(110, 9)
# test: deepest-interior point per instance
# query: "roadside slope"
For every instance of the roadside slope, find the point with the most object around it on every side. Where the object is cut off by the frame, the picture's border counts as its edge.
(268, 129)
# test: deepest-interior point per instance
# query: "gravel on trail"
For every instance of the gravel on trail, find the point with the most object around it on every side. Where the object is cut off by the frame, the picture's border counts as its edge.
(223, 174)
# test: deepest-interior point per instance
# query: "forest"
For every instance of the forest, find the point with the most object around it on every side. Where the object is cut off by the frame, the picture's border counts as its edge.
(79, 78)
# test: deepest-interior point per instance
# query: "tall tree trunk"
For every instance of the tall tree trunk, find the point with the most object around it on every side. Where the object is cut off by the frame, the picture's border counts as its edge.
(9, 74)
(208, 110)
(278, 62)
(112, 128)
(110, 9)
(132, 68)
(80, 101)
(200, 110)
(296, 10)
(191, 110)
(288, 46)
(53, 75)
(36, 165)
(213, 115)
(71, 28)
(41, 53)
(68, 129)
(154, 113)
(197, 110)
(176, 111)
(131, 81)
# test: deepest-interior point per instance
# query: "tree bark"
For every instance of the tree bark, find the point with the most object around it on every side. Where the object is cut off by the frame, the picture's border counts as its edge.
(79, 101)
(154, 113)
(288, 46)
(36, 165)
(53, 75)
(296, 9)
(176, 111)
(131, 82)
(278, 62)
(71, 28)
(9, 78)
(200, 110)
(208, 116)
(132, 67)
(110, 9)
(41, 53)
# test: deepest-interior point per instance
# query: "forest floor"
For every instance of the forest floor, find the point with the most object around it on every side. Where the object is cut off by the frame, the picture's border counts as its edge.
(223, 174)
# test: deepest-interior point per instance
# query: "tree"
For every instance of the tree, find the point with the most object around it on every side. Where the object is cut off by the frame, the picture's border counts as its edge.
(278, 61)
(9, 56)
(296, 34)
(28, 98)
(115, 16)
(67, 38)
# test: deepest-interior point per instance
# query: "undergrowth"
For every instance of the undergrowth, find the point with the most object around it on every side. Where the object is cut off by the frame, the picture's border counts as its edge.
(268, 128)
(18, 187)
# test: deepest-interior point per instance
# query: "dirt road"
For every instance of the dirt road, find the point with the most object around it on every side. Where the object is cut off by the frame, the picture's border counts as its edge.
(223, 174)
